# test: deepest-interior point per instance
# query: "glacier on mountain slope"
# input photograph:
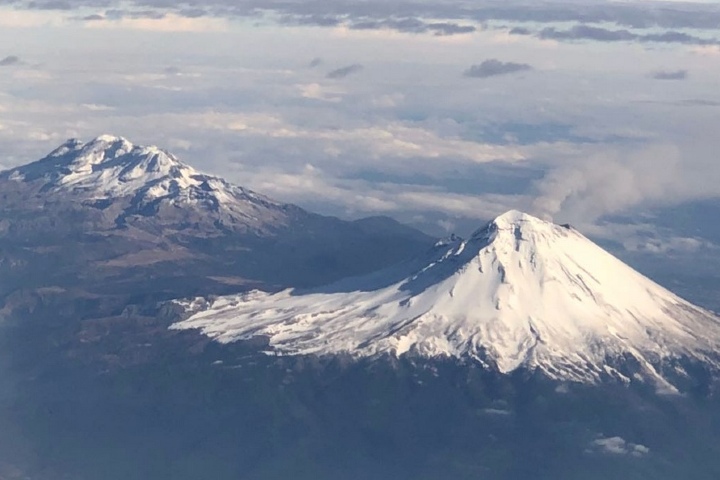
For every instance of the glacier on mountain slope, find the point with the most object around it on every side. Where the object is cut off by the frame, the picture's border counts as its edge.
(520, 292)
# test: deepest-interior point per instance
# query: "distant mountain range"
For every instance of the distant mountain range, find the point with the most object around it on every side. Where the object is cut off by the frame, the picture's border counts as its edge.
(160, 323)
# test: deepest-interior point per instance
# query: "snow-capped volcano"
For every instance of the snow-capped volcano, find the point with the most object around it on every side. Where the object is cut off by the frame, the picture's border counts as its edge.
(109, 169)
(521, 292)
(108, 166)
(111, 209)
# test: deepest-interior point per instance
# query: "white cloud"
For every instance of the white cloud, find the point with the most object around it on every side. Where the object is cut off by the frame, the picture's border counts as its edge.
(94, 107)
(613, 181)
(409, 115)
(618, 446)
(311, 185)
(380, 142)
(316, 91)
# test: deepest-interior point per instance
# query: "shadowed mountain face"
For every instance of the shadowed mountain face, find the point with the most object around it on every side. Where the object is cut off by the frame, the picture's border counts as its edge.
(235, 414)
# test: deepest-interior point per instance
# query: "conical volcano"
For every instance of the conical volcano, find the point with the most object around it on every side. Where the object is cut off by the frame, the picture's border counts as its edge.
(520, 293)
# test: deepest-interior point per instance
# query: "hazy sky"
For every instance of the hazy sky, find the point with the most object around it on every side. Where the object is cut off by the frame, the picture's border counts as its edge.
(440, 113)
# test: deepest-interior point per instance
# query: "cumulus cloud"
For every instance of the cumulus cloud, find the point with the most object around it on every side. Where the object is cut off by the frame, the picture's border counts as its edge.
(670, 75)
(344, 71)
(617, 446)
(494, 67)
(10, 61)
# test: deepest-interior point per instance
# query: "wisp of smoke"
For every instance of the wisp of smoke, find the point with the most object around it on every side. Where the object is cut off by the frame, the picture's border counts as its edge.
(608, 183)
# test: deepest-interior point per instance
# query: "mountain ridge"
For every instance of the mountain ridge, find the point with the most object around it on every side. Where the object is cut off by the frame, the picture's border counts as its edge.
(107, 169)
(109, 216)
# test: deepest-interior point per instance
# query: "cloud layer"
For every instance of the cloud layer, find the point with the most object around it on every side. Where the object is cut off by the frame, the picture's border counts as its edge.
(362, 108)
(639, 14)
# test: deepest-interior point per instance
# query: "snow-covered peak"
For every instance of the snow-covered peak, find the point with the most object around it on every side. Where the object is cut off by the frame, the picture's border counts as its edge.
(521, 292)
(107, 138)
(145, 181)
(98, 150)
(513, 224)
(516, 218)
(107, 166)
